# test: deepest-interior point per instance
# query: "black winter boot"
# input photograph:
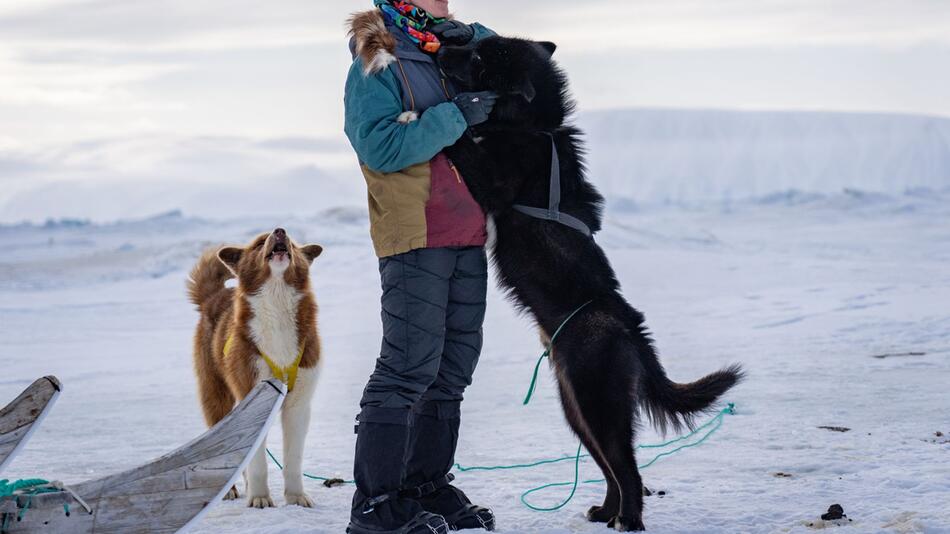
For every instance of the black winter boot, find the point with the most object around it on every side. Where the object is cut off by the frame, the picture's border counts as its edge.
(379, 473)
(435, 433)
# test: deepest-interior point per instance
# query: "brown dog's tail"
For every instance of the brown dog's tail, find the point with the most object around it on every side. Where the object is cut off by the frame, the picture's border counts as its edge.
(671, 405)
(207, 278)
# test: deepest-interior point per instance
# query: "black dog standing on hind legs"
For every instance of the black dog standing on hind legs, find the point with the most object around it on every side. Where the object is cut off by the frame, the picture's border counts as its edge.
(604, 359)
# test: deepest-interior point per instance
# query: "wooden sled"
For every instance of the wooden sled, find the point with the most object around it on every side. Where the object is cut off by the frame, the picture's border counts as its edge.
(20, 418)
(167, 495)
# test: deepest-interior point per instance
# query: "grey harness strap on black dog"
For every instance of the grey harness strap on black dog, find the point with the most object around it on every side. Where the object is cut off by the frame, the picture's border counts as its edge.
(553, 213)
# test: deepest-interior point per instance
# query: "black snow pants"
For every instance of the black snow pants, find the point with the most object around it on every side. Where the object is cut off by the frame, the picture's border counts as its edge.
(433, 306)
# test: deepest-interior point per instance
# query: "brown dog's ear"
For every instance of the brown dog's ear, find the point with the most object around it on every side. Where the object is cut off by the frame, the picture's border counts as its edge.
(549, 47)
(230, 256)
(311, 252)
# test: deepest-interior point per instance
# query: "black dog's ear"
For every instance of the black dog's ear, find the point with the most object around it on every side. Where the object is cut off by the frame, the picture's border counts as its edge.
(527, 90)
(549, 47)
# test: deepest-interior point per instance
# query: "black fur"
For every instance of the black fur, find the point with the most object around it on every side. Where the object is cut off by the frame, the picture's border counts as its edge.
(604, 357)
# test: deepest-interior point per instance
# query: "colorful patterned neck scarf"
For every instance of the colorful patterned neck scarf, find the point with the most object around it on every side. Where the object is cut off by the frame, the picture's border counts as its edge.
(412, 20)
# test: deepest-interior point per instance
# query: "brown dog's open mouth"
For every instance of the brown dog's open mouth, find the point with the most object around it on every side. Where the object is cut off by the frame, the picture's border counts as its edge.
(279, 250)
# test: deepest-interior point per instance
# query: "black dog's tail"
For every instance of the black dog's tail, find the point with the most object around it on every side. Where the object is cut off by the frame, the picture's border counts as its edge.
(671, 405)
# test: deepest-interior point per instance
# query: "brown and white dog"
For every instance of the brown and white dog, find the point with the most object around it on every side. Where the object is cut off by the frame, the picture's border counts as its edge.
(264, 327)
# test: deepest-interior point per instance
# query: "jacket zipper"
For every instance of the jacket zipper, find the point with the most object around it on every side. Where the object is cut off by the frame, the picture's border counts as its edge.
(456, 171)
(445, 89)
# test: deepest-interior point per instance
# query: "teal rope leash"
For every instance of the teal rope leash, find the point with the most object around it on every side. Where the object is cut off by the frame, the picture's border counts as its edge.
(570, 496)
(715, 423)
(547, 352)
(712, 425)
(8, 488)
(730, 409)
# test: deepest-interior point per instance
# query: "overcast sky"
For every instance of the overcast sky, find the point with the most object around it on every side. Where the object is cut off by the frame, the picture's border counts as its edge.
(77, 69)
(75, 74)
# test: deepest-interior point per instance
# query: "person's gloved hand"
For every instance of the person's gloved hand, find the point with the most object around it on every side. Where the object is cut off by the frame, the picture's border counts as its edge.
(476, 106)
(453, 32)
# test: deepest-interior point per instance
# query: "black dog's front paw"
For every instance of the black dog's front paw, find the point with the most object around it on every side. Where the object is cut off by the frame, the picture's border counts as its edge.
(624, 524)
(599, 514)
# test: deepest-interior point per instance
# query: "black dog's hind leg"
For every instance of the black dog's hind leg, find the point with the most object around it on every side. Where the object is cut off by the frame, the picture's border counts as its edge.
(621, 457)
(606, 405)
(611, 506)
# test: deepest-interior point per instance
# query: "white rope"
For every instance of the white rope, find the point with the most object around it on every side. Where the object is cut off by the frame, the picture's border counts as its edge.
(57, 484)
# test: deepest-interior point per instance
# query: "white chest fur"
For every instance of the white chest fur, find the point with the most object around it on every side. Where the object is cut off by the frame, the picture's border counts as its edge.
(274, 324)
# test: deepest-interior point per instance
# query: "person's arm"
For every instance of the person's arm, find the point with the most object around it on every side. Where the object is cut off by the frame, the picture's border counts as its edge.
(372, 106)
(457, 33)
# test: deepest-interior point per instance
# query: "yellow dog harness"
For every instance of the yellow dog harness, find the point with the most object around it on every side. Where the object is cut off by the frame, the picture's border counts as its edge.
(287, 375)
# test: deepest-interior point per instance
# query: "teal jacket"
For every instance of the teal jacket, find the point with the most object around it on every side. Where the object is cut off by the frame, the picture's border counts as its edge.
(374, 100)
(399, 116)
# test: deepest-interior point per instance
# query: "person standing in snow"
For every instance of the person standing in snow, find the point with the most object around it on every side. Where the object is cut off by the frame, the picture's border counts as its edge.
(429, 235)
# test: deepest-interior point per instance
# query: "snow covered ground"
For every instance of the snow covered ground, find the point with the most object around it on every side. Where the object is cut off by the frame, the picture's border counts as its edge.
(835, 303)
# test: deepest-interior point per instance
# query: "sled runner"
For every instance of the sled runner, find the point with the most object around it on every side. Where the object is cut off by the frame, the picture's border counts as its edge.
(166, 495)
(21, 417)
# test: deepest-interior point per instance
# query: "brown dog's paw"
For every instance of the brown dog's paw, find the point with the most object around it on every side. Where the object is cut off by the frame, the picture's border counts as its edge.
(599, 514)
(300, 499)
(232, 494)
(262, 501)
(624, 524)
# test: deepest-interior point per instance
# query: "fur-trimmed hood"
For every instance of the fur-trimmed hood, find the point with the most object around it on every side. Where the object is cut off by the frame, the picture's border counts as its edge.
(374, 43)
(371, 40)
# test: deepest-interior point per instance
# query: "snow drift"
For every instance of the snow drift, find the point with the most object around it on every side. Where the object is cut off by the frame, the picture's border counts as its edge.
(679, 156)
(637, 156)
